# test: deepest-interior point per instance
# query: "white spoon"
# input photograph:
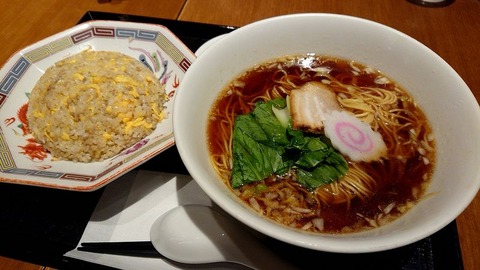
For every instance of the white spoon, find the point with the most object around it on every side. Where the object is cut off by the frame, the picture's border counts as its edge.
(196, 234)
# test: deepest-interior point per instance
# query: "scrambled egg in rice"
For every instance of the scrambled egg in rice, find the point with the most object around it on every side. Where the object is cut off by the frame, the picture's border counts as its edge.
(92, 105)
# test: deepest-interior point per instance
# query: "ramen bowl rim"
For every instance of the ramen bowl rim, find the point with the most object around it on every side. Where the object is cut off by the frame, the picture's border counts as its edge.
(379, 239)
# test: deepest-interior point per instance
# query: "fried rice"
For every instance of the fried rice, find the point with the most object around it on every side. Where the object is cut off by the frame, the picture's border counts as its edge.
(92, 105)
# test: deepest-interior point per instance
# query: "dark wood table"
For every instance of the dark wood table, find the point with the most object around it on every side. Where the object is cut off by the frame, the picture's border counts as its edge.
(33, 226)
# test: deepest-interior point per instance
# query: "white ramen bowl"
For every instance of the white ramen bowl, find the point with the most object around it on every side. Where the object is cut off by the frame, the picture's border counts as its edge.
(447, 101)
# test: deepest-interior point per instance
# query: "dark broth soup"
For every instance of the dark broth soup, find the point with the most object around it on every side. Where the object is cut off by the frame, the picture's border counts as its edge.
(371, 193)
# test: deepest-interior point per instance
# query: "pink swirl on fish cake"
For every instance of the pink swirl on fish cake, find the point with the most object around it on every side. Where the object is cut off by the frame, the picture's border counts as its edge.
(353, 137)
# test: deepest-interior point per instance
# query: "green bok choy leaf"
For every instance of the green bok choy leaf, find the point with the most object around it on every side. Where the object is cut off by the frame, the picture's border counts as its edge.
(263, 146)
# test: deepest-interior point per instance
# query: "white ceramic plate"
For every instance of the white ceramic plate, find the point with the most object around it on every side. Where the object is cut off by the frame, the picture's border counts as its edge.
(20, 163)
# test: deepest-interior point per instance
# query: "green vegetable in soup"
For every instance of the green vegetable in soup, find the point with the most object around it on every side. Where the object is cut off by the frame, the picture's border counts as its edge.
(264, 146)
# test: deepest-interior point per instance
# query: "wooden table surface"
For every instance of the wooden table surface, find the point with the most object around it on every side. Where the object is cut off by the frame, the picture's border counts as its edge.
(453, 32)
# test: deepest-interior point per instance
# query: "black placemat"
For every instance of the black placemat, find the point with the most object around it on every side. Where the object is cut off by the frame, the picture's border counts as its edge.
(39, 225)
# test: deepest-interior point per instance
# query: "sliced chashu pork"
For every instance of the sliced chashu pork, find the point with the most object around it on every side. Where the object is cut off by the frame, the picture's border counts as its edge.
(314, 108)
(309, 105)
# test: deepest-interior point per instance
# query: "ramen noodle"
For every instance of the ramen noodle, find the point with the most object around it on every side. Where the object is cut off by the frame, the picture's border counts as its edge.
(371, 193)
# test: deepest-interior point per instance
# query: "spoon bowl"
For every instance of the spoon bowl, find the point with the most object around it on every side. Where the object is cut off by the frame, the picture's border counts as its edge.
(197, 234)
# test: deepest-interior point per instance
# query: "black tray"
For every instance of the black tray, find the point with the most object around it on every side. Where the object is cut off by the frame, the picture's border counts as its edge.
(39, 225)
